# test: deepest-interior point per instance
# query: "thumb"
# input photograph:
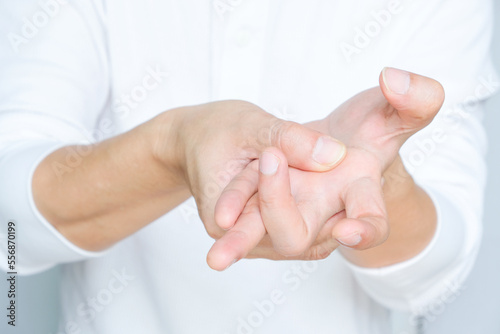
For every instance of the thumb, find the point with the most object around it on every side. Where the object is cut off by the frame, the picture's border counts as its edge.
(305, 148)
(416, 98)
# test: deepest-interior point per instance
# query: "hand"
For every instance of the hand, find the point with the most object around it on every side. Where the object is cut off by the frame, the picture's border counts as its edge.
(216, 141)
(304, 217)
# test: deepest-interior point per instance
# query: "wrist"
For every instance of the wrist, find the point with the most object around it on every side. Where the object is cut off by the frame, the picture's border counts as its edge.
(398, 183)
(166, 144)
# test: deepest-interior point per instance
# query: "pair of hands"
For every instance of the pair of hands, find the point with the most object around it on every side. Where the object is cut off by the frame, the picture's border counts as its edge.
(274, 189)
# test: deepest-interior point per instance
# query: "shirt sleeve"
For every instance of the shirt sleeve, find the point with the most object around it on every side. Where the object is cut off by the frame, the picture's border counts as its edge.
(54, 87)
(447, 159)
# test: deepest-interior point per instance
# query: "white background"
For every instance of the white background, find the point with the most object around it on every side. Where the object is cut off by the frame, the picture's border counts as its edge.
(475, 310)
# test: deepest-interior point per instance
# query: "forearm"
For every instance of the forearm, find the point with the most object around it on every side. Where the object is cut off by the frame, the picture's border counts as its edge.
(116, 189)
(412, 220)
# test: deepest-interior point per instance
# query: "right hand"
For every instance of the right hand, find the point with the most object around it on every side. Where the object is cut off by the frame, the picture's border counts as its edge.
(216, 141)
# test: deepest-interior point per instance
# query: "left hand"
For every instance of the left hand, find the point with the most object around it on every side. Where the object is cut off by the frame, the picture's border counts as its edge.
(302, 212)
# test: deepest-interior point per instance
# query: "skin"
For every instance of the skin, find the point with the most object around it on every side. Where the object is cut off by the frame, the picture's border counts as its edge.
(134, 178)
(301, 211)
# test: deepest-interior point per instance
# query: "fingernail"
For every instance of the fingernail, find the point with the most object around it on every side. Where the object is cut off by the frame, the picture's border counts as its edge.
(397, 81)
(328, 151)
(269, 163)
(229, 265)
(351, 240)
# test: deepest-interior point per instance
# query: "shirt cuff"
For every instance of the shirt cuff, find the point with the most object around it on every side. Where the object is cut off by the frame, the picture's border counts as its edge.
(39, 246)
(438, 270)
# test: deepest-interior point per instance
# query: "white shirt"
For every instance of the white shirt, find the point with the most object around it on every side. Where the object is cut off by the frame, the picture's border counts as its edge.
(82, 71)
